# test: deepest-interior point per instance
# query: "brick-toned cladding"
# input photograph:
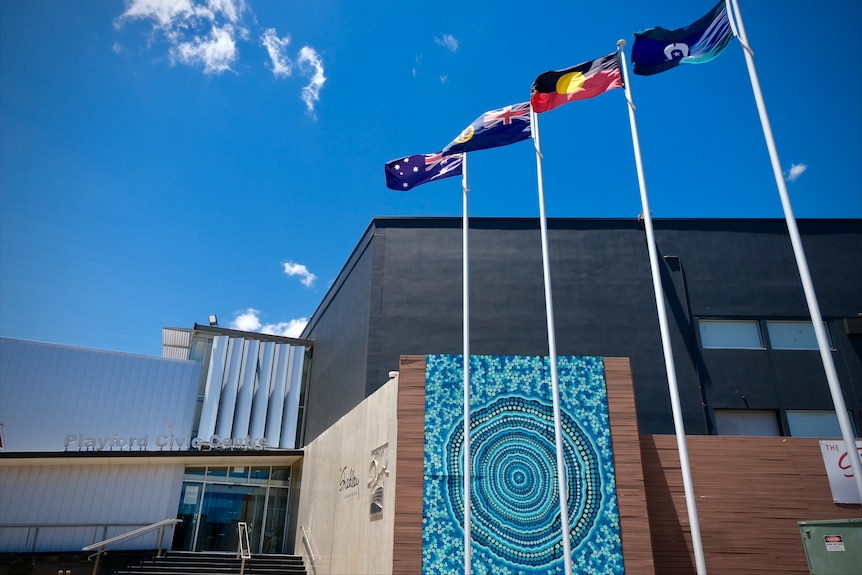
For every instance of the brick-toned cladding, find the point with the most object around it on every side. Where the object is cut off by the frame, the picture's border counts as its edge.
(751, 491)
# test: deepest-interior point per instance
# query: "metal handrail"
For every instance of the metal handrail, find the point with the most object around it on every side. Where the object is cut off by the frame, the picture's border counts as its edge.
(100, 545)
(307, 539)
(244, 547)
(33, 530)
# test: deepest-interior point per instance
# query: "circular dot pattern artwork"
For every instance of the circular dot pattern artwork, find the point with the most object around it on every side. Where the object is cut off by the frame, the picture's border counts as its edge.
(515, 512)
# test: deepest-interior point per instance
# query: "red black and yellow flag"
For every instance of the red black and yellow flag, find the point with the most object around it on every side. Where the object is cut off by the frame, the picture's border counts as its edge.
(557, 87)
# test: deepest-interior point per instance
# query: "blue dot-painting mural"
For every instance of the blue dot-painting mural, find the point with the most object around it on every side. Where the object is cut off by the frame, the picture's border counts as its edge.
(515, 512)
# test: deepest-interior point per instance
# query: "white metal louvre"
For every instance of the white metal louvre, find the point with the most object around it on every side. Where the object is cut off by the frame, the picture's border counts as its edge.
(252, 390)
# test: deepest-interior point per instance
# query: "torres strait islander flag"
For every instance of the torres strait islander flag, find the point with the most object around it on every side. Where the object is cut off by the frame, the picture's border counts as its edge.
(555, 88)
(407, 173)
(493, 129)
(656, 49)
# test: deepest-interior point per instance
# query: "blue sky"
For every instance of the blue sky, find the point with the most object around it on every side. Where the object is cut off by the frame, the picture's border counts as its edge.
(161, 161)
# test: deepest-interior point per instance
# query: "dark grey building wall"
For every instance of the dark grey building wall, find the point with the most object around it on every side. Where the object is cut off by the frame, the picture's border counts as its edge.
(339, 328)
(400, 294)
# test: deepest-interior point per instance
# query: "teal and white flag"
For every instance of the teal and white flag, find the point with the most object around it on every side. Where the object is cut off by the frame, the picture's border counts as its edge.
(656, 49)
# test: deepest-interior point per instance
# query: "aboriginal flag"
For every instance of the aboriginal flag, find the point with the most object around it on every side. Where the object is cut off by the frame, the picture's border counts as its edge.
(555, 88)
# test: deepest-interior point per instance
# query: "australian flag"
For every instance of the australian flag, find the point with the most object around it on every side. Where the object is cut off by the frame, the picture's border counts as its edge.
(493, 129)
(407, 173)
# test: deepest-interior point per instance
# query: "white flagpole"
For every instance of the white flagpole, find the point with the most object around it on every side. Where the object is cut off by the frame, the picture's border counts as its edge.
(801, 262)
(552, 353)
(679, 425)
(468, 550)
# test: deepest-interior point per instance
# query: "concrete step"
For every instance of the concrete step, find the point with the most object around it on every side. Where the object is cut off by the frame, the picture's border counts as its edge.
(183, 563)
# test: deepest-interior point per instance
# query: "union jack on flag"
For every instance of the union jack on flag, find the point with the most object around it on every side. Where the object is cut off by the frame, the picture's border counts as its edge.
(493, 129)
(507, 115)
(407, 173)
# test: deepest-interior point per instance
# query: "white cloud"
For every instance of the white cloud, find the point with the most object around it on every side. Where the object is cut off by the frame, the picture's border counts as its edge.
(292, 328)
(246, 321)
(173, 13)
(276, 47)
(311, 65)
(444, 78)
(795, 171)
(216, 52)
(164, 12)
(198, 32)
(295, 269)
(205, 33)
(230, 9)
(249, 320)
(448, 41)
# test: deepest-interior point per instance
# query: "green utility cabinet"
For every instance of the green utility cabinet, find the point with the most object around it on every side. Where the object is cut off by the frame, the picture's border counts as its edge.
(833, 547)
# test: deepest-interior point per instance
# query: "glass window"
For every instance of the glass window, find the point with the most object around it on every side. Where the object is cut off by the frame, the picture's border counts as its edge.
(793, 335)
(280, 476)
(730, 334)
(746, 422)
(201, 347)
(259, 475)
(811, 423)
(195, 473)
(217, 474)
(238, 475)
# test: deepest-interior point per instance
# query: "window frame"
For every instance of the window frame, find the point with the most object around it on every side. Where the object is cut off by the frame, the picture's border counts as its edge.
(702, 321)
(808, 322)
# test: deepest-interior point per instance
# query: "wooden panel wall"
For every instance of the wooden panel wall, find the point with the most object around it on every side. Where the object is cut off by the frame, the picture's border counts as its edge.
(410, 461)
(631, 496)
(750, 491)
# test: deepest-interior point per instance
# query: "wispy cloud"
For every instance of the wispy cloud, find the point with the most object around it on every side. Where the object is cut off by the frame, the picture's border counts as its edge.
(208, 33)
(216, 52)
(448, 41)
(295, 269)
(795, 171)
(311, 65)
(202, 33)
(249, 320)
(277, 48)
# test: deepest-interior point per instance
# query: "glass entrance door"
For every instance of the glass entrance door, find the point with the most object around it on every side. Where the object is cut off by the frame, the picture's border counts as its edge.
(215, 499)
(190, 500)
(223, 507)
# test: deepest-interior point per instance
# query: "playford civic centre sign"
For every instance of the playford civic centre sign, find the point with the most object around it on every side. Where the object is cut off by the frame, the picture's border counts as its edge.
(115, 442)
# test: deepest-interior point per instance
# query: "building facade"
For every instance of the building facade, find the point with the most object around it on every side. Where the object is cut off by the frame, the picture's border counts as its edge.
(755, 398)
(98, 443)
(321, 444)
(745, 354)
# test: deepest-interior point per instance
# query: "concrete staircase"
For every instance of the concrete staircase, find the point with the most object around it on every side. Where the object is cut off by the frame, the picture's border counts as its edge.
(179, 563)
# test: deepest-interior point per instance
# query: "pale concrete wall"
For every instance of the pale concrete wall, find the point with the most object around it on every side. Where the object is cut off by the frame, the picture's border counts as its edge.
(338, 481)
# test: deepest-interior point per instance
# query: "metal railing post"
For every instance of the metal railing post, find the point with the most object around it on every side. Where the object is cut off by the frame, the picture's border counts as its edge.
(161, 540)
(100, 545)
(98, 557)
